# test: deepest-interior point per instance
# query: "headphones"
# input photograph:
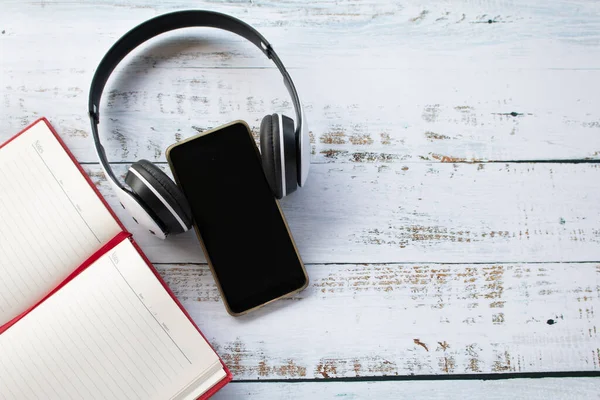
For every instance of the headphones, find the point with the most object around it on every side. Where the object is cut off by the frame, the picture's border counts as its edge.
(153, 199)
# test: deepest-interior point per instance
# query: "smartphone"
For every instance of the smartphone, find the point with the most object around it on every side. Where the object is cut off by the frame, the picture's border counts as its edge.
(238, 220)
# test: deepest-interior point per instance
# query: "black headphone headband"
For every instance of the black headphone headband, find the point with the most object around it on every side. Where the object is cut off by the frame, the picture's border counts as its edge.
(169, 22)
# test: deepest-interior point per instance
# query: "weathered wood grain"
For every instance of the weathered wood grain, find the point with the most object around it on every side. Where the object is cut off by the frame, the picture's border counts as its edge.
(404, 100)
(335, 32)
(439, 116)
(521, 389)
(379, 212)
(407, 319)
(380, 81)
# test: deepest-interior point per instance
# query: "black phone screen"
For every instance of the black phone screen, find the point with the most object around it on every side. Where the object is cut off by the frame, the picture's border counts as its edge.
(237, 217)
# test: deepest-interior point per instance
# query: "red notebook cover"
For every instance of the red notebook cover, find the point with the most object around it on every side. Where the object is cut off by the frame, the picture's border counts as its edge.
(124, 235)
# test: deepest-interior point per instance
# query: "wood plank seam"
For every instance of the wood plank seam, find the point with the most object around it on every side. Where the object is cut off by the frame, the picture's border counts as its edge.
(456, 377)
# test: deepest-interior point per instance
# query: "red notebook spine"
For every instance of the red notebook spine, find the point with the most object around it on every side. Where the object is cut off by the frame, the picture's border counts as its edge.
(98, 253)
(89, 261)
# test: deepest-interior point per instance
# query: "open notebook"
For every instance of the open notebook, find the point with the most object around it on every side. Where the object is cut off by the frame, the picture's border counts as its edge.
(83, 314)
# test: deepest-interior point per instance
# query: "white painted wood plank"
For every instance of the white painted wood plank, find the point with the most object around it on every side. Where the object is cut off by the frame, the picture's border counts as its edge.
(548, 388)
(335, 32)
(409, 319)
(386, 115)
(377, 212)
(380, 81)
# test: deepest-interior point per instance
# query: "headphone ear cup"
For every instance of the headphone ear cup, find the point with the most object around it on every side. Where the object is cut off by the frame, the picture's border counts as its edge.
(160, 195)
(278, 150)
(271, 153)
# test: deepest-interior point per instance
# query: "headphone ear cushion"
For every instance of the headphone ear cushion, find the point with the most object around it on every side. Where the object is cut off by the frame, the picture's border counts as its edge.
(166, 189)
(291, 159)
(271, 153)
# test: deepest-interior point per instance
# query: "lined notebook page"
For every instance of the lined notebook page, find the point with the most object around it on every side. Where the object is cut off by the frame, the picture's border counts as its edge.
(50, 219)
(112, 332)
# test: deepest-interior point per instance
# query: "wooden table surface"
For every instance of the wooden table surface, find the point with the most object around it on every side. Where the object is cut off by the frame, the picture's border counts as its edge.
(451, 220)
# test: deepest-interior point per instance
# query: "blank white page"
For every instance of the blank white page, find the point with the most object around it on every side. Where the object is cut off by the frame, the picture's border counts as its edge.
(113, 332)
(51, 220)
